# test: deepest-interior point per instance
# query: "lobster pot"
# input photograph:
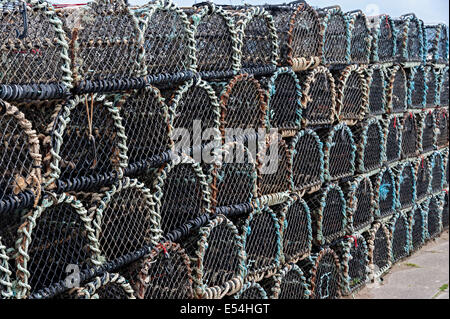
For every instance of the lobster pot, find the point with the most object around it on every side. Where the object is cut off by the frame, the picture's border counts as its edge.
(258, 40)
(325, 275)
(410, 39)
(290, 283)
(437, 43)
(423, 177)
(417, 88)
(307, 172)
(299, 35)
(360, 203)
(87, 144)
(5, 273)
(445, 211)
(285, 107)
(442, 121)
(384, 34)
(355, 263)
(377, 97)
(410, 136)
(397, 89)
(445, 154)
(406, 185)
(169, 42)
(179, 192)
(361, 39)
(352, 94)
(437, 172)
(434, 213)
(418, 220)
(216, 40)
(275, 168)
(400, 237)
(339, 152)
(432, 83)
(104, 56)
(243, 105)
(369, 136)
(35, 60)
(329, 214)
(443, 92)
(385, 192)
(20, 163)
(336, 36)
(295, 219)
(393, 137)
(125, 220)
(318, 96)
(54, 236)
(379, 244)
(165, 274)
(262, 241)
(145, 117)
(218, 241)
(427, 131)
(251, 290)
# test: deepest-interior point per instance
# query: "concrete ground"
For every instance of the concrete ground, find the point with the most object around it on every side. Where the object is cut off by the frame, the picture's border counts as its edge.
(423, 275)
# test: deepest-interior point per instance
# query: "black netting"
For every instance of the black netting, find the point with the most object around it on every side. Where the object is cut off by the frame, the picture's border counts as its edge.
(418, 89)
(406, 181)
(400, 241)
(442, 121)
(293, 285)
(410, 44)
(352, 101)
(398, 89)
(432, 82)
(360, 39)
(384, 183)
(409, 136)
(445, 212)
(380, 254)
(423, 177)
(358, 263)
(444, 88)
(428, 127)
(437, 43)
(325, 283)
(393, 138)
(433, 218)
(437, 172)
(340, 152)
(336, 37)
(369, 136)
(377, 91)
(363, 210)
(383, 32)
(418, 227)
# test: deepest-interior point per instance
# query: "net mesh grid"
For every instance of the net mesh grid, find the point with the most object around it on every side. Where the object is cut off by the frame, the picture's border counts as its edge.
(418, 220)
(369, 136)
(405, 184)
(442, 123)
(290, 283)
(325, 275)
(400, 236)
(410, 135)
(393, 137)
(437, 43)
(417, 87)
(445, 211)
(384, 34)
(384, 187)
(434, 213)
(410, 39)
(361, 204)
(377, 97)
(432, 83)
(6, 273)
(397, 89)
(423, 177)
(251, 290)
(379, 244)
(427, 130)
(437, 172)
(361, 39)
(444, 85)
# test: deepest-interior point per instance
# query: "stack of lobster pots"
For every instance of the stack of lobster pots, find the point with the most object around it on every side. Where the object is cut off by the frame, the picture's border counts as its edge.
(250, 152)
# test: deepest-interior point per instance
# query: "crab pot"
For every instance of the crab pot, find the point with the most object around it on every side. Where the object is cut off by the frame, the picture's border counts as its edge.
(290, 283)
(427, 130)
(369, 137)
(384, 34)
(20, 163)
(307, 160)
(339, 152)
(377, 97)
(55, 234)
(329, 214)
(352, 93)
(258, 39)
(5, 273)
(299, 35)
(437, 172)
(418, 220)
(445, 211)
(397, 89)
(262, 241)
(410, 136)
(179, 192)
(169, 42)
(423, 177)
(393, 137)
(165, 274)
(355, 263)
(406, 185)
(379, 244)
(251, 290)
(295, 219)
(318, 96)
(437, 43)
(361, 39)
(434, 213)
(215, 38)
(400, 237)
(87, 144)
(35, 60)
(325, 275)
(432, 82)
(285, 107)
(336, 36)
(384, 186)
(275, 167)
(219, 240)
(410, 39)
(442, 121)
(417, 88)
(360, 203)
(443, 91)
(243, 104)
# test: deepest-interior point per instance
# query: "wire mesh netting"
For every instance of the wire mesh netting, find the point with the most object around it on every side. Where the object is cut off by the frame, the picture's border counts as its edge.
(406, 184)
(437, 172)
(369, 137)
(423, 177)
(397, 89)
(384, 33)
(393, 140)
(360, 203)
(444, 84)
(417, 217)
(336, 36)
(417, 87)
(291, 283)
(442, 121)
(437, 43)
(432, 82)
(410, 45)
(427, 131)
(410, 135)
(434, 211)
(445, 211)
(376, 82)
(361, 39)
(383, 184)
(379, 245)
(400, 237)
(325, 280)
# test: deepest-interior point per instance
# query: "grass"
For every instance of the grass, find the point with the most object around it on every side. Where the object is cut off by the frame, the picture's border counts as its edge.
(442, 288)
(412, 265)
